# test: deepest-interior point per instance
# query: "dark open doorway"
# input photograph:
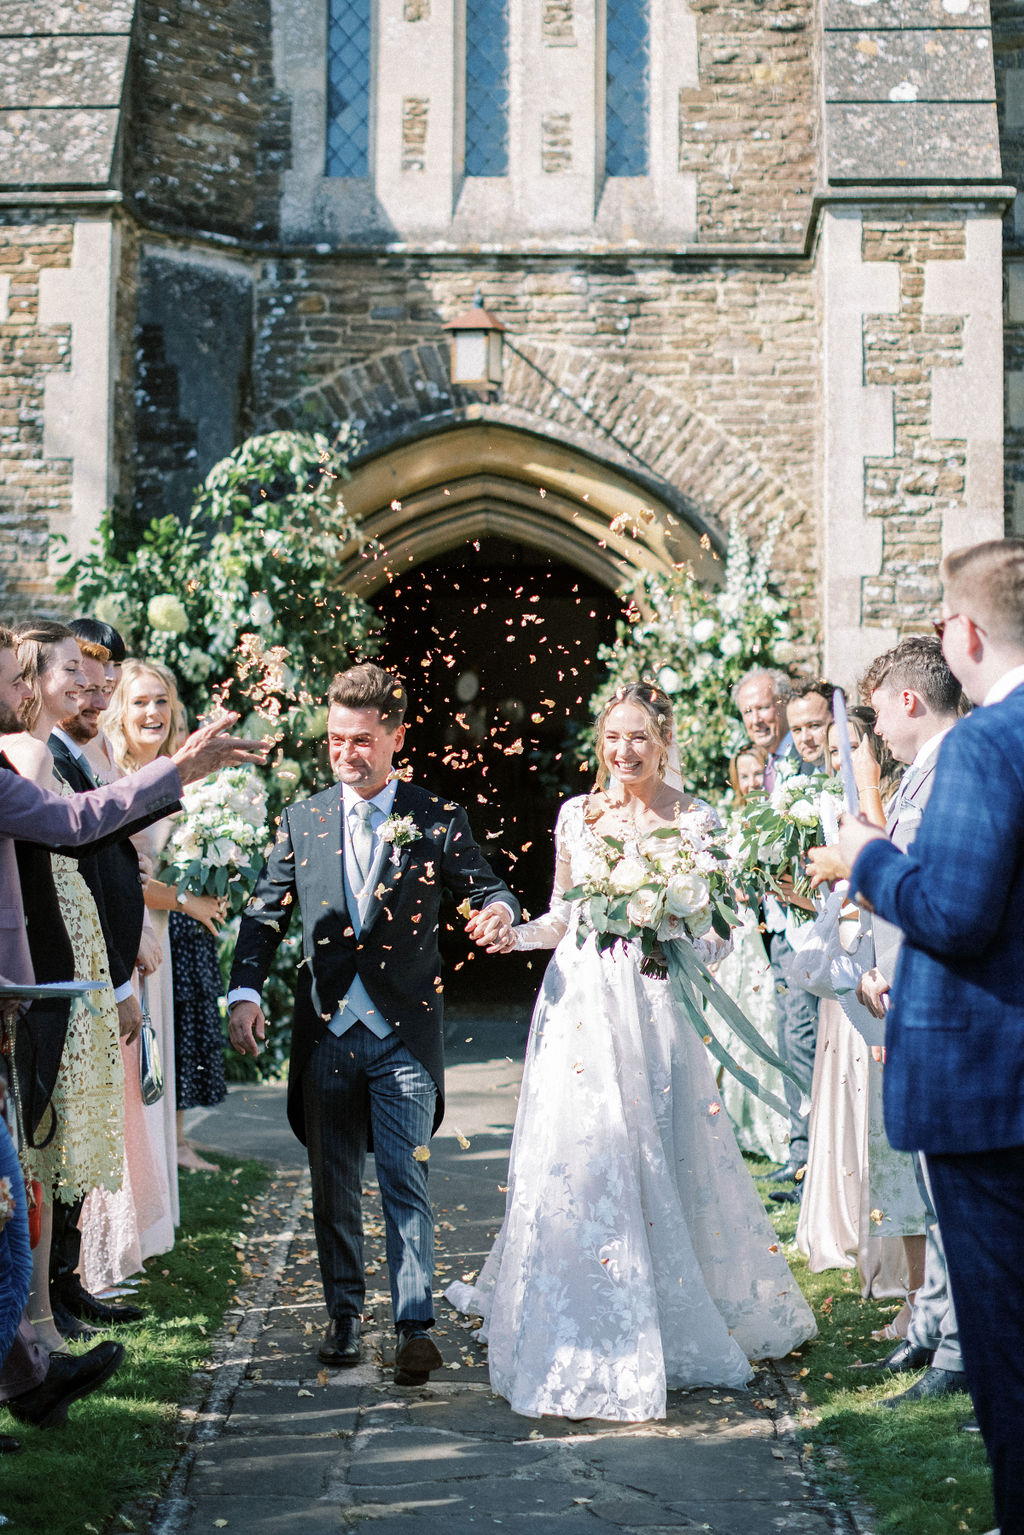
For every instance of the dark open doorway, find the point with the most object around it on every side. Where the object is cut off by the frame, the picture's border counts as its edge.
(498, 648)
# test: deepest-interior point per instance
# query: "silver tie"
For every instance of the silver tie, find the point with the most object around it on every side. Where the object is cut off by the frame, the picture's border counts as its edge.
(362, 840)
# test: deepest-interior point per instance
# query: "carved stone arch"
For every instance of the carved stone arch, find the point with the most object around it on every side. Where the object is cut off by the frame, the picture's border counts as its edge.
(481, 479)
(590, 402)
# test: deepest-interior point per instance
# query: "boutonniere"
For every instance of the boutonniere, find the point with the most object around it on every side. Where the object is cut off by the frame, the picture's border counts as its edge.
(399, 830)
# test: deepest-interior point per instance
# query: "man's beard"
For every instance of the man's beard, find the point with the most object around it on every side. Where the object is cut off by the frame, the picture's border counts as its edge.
(10, 721)
(81, 730)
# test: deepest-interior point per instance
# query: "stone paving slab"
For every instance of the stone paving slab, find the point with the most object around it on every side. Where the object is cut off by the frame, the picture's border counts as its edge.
(296, 1449)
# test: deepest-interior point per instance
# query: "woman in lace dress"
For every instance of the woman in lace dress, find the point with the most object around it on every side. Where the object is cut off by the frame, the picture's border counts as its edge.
(87, 1147)
(635, 1254)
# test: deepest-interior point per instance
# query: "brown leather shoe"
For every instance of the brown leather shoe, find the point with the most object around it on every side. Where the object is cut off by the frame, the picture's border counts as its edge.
(339, 1347)
(416, 1355)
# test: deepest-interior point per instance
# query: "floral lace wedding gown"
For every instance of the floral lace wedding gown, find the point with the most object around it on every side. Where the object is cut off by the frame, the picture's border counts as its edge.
(635, 1254)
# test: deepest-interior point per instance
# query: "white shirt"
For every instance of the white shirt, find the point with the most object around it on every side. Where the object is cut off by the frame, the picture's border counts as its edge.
(1004, 687)
(931, 746)
(356, 1005)
(126, 989)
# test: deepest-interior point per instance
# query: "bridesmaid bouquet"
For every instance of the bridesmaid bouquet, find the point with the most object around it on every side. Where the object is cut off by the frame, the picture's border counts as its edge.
(217, 846)
(670, 883)
(770, 836)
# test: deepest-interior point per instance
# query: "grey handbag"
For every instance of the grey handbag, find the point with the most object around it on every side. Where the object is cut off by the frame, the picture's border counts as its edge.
(151, 1070)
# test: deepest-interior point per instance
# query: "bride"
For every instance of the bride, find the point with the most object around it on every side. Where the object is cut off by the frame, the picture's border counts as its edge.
(635, 1254)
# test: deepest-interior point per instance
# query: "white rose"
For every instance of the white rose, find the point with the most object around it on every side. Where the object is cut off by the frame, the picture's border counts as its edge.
(699, 923)
(628, 875)
(703, 629)
(645, 908)
(686, 894)
(731, 645)
(593, 869)
(803, 813)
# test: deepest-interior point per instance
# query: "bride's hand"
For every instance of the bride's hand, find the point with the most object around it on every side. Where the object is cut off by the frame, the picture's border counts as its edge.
(492, 929)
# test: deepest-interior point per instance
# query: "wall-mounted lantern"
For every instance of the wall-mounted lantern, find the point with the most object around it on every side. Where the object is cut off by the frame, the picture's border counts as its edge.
(476, 348)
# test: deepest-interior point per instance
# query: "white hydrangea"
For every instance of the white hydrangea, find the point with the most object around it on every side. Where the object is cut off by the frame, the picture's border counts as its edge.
(166, 614)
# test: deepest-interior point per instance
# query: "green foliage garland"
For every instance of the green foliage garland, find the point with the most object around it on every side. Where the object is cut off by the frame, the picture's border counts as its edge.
(696, 642)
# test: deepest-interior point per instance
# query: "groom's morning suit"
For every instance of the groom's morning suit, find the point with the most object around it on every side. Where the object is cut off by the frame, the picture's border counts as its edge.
(954, 1075)
(367, 1062)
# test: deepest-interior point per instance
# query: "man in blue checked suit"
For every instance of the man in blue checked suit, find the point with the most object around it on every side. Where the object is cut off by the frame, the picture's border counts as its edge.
(954, 1076)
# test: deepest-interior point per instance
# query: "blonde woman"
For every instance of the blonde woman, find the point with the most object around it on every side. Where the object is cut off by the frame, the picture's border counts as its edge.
(635, 1254)
(146, 720)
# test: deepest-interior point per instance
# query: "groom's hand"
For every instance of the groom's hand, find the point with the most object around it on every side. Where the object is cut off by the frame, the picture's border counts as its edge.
(246, 1026)
(492, 929)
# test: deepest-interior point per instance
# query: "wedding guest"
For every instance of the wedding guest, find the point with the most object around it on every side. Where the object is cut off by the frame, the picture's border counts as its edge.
(145, 721)
(96, 632)
(746, 975)
(99, 1245)
(953, 1031)
(86, 1150)
(746, 772)
(761, 697)
(635, 1254)
(36, 1386)
(808, 716)
(916, 700)
(852, 1171)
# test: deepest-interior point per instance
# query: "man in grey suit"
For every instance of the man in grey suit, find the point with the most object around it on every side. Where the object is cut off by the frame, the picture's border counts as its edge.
(916, 700)
(367, 862)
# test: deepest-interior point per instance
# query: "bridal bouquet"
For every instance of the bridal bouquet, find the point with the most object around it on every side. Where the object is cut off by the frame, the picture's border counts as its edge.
(670, 883)
(674, 883)
(217, 846)
(769, 837)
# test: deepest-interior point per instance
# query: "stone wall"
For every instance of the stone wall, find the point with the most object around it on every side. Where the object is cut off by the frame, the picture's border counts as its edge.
(33, 489)
(748, 130)
(912, 491)
(207, 131)
(1008, 46)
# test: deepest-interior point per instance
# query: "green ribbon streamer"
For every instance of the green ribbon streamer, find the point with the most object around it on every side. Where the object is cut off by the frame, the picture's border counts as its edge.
(688, 977)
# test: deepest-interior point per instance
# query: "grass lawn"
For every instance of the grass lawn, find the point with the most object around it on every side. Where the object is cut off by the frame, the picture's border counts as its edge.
(118, 1444)
(919, 1475)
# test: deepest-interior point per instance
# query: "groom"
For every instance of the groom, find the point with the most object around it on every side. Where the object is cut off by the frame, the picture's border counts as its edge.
(366, 862)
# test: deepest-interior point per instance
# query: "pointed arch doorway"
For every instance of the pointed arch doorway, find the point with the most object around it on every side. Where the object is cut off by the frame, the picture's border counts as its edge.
(498, 643)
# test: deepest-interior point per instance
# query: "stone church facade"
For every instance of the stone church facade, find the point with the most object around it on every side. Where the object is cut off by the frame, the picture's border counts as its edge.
(755, 259)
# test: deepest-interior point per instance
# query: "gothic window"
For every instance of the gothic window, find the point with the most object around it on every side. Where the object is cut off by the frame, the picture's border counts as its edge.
(628, 90)
(348, 88)
(487, 93)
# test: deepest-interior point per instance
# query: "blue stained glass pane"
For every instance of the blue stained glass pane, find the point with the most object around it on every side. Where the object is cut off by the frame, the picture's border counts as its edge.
(348, 88)
(486, 87)
(627, 103)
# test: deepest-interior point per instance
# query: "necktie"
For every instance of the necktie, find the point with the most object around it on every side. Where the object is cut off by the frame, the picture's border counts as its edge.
(362, 840)
(769, 775)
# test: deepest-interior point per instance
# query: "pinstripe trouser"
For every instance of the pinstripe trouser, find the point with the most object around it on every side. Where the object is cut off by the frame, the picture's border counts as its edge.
(355, 1084)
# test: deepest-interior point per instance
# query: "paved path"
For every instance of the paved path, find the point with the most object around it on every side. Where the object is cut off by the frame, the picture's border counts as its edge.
(279, 1446)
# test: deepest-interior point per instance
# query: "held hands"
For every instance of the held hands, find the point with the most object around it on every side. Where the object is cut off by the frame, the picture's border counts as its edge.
(247, 1028)
(208, 749)
(492, 929)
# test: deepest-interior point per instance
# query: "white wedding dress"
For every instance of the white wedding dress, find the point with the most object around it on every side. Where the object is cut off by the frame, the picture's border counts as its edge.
(635, 1254)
